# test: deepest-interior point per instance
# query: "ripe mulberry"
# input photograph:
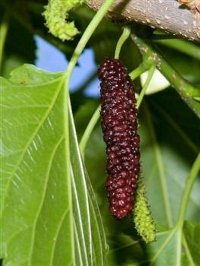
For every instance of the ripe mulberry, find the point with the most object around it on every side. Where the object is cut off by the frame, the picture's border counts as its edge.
(119, 126)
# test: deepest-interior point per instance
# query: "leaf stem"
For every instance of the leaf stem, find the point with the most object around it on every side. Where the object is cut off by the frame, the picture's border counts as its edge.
(146, 84)
(138, 71)
(125, 34)
(86, 36)
(89, 129)
(77, 52)
(188, 188)
(3, 34)
(183, 87)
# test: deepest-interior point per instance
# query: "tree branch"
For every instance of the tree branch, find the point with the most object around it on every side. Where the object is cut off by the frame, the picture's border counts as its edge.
(167, 15)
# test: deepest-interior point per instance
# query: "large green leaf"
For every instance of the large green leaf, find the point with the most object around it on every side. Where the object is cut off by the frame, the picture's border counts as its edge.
(37, 206)
(48, 215)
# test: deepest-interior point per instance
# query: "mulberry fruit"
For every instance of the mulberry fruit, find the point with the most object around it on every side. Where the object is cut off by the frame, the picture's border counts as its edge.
(119, 126)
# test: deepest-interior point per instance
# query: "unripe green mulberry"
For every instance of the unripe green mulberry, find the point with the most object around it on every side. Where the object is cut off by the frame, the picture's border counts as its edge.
(56, 13)
(143, 220)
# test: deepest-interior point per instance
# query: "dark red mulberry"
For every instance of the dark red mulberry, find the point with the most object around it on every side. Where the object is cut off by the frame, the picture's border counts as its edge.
(119, 126)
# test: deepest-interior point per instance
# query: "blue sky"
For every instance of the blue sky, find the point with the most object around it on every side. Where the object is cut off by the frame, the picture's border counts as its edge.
(51, 59)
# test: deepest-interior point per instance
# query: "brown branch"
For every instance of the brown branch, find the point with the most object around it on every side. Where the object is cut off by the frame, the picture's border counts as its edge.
(167, 15)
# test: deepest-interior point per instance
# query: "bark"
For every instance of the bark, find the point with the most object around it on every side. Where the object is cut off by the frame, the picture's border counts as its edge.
(167, 15)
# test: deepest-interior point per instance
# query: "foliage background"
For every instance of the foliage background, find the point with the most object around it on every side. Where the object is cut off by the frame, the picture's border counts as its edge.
(52, 199)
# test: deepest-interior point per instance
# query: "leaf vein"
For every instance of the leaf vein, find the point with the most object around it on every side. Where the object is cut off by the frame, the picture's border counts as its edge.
(43, 194)
(29, 142)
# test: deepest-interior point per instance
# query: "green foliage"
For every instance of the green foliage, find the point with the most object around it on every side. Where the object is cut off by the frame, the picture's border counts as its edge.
(53, 205)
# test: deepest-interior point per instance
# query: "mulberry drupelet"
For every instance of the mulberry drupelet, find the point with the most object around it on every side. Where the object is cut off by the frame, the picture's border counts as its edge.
(119, 126)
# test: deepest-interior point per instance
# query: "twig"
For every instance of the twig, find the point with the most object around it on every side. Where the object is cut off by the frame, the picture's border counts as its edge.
(168, 16)
(186, 90)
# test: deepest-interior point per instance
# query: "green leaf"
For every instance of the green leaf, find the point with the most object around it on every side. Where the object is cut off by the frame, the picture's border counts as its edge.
(48, 215)
(166, 161)
(167, 249)
(36, 210)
